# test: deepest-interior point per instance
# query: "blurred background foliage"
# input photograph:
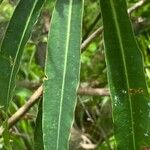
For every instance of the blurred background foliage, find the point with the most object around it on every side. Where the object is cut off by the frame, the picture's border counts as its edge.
(93, 127)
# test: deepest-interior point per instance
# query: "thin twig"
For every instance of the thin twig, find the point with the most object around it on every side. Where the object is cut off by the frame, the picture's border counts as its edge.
(91, 27)
(24, 109)
(137, 5)
(93, 91)
(34, 98)
(90, 38)
(100, 30)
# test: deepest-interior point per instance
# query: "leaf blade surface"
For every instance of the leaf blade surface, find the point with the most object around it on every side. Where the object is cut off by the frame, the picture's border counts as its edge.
(16, 36)
(62, 71)
(126, 78)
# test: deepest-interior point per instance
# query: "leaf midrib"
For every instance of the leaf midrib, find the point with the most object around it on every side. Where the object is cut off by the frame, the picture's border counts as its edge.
(124, 64)
(16, 56)
(64, 72)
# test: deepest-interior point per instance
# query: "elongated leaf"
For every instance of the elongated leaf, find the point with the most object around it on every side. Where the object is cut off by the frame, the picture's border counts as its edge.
(16, 36)
(131, 104)
(38, 133)
(62, 72)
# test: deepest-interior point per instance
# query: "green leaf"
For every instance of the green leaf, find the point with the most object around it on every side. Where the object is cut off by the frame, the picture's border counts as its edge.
(131, 103)
(38, 133)
(17, 34)
(62, 73)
